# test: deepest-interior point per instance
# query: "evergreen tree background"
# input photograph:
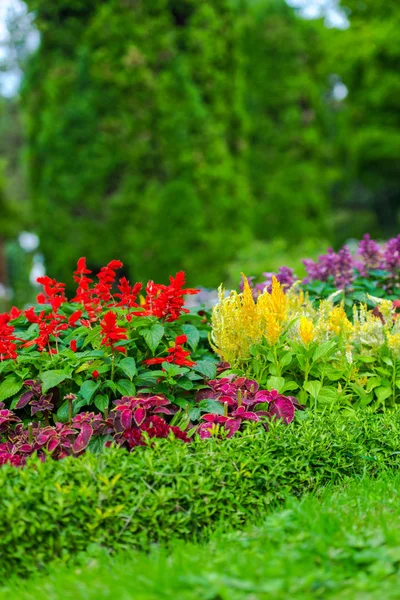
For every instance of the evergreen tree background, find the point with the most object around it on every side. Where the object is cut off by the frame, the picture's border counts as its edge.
(190, 133)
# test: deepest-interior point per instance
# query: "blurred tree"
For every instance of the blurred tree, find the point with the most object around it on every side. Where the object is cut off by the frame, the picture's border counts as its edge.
(291, 153)
(137, 135)
(366, 56)
(172, 132)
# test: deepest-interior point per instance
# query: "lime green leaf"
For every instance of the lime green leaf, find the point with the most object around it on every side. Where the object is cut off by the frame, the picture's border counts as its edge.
(9, 387)
(276, 383)
(313, 388)
(323, 350)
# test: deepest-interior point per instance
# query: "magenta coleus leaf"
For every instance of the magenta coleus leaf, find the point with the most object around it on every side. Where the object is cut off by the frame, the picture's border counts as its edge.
(83, 438)
(282, 408)
(25, 398)
(126, 418)
(139, 416)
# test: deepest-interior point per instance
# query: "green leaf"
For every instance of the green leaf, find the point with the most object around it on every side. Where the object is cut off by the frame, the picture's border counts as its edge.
(211, 406)
(97, 443)
(192, 335)
(286, 359)
(185, 384)
(174, 370)
(383, 393)
(126, 387)
(276, 383)
(101, 402)
(313, 388)
(128, 367)
(51, 379)
(206, 368)
(323, 350)
(9, 387)
(153, 336)
(88, 389)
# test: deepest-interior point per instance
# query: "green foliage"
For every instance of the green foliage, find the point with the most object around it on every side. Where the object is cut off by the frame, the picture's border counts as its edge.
(366, 58)
(55, 510)
(343, 543)
(173, 132)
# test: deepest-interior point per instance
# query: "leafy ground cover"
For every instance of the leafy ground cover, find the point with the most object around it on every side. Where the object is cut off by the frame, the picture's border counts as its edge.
(119, 500)
(342, 543)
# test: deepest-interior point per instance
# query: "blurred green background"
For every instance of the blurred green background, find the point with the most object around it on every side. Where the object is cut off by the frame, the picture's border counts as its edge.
(208, 135)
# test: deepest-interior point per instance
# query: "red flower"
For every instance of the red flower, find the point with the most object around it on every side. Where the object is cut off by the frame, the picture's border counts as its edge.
(74, 318)
(81, 268)
(73, 345)
(8, 348)
(15, 313)
(166, 301)
(177, 355)
(110, 332)
(95, 374)
(127, 295)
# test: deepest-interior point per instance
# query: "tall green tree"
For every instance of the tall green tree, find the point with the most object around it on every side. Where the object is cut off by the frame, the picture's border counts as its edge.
(366, 56)
(136, 126)
(292, 165)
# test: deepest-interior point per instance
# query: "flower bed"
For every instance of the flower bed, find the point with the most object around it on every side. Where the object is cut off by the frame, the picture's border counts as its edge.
(118, 366)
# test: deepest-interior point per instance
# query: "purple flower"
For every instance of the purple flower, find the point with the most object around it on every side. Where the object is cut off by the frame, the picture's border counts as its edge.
(285, 276)
(344, 268)
(370, 253)
(339, 265)
(392, 255)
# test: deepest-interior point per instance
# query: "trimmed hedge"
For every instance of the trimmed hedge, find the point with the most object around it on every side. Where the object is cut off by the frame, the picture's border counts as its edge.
(122, 501)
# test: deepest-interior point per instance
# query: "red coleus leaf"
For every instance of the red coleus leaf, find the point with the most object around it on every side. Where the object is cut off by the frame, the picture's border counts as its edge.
(53, 444)
(232, 426)
(126, 418)
(283, 409)
(83, 438)
(139, 415)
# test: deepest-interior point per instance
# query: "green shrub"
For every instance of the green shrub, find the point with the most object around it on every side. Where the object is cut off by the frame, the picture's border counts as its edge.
(124, 501)
(340, 544)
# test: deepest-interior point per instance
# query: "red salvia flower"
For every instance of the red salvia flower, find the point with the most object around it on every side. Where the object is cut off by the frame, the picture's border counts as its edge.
(177, 355)
(166, 301)
(111, 333)
(73, 345)
(8, 348)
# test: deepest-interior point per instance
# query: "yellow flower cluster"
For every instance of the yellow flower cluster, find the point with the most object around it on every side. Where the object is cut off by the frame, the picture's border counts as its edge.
(238, 322)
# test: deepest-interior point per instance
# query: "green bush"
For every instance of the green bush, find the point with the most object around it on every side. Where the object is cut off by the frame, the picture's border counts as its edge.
(54, 510)
(343, 543)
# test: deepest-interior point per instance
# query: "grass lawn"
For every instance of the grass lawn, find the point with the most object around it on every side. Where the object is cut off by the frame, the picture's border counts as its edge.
(342, 544)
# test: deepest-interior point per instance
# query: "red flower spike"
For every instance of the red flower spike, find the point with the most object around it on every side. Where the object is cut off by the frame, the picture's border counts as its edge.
(110, 331)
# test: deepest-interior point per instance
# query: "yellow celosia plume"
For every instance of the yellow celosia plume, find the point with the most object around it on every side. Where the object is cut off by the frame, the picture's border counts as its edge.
(306, 330)
(238, 322)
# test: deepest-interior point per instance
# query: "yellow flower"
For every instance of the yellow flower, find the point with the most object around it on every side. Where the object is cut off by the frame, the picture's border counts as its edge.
(273, 329)
(338, 321)
(306, 330)
(393, 341)
(274, 302)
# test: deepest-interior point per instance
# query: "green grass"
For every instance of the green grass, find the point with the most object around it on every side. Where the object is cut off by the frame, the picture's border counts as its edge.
(342, 544)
